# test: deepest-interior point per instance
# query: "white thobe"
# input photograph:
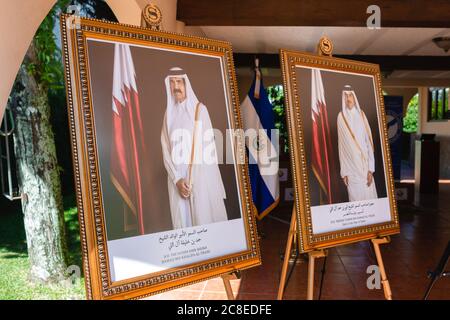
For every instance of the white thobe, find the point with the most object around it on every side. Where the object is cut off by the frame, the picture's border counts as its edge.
(356, 154)
(206, 202)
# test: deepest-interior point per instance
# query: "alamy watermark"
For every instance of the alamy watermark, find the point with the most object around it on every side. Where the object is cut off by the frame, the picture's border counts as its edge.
(73, 22)
(70, 280)
(262, 147)
(374, 280)
(374, 20)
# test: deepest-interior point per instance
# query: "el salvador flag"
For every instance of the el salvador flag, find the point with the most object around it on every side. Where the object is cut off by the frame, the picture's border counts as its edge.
(262, 146)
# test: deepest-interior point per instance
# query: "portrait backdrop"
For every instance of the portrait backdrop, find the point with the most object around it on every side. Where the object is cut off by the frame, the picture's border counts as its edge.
(328, 211)
(151, 67)
(333, 84)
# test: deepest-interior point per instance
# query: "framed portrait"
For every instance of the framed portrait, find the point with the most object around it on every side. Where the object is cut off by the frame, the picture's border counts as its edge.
(161, 180)
(341, 164)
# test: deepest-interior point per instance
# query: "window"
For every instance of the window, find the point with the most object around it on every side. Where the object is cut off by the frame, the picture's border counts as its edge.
(438, 104)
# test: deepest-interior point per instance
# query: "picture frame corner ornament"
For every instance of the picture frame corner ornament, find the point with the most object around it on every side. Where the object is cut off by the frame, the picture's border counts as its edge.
(152, 16)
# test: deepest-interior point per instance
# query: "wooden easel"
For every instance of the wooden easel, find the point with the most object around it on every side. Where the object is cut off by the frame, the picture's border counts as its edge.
(227, 284)
(321, 253)
(325, 48)
(311, 261)
(384, 281)
(291, 234)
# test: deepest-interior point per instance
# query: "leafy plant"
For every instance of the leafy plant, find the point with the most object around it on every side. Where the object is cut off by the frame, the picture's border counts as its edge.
(276, 98)
(412, 115)
(47, 67)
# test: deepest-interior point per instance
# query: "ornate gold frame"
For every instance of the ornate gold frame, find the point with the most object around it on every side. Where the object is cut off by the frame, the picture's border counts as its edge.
(86, 169)
(307, 240)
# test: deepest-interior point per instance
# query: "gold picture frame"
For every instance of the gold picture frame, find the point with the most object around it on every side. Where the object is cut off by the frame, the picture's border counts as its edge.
(88, 179)
(308, 240)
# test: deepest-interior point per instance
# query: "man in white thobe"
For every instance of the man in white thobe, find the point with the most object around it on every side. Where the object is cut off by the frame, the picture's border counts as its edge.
(356, 150)
(196, 190)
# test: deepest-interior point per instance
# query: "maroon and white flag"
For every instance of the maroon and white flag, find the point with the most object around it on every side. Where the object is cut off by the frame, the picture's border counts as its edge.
(127, 143)
(322, 151)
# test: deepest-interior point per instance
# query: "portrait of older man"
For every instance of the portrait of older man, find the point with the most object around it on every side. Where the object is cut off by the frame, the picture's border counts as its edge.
(356, 149)
(196, 189)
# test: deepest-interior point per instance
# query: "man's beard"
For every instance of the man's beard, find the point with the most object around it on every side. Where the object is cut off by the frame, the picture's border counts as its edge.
(178, 95)
(180, 100)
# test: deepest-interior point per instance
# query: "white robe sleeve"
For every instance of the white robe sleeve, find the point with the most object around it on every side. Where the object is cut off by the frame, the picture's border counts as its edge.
(344, 157)
(369, 143)
(174, 176)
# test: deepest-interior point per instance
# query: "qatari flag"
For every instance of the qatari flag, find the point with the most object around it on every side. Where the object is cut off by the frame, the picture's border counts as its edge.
(127, 133)
(322, 151)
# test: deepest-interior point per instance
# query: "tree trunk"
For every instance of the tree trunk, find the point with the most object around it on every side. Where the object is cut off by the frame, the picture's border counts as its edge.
(39, 179)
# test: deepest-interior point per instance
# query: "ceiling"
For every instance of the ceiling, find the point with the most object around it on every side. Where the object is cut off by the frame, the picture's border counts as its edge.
(347, 40)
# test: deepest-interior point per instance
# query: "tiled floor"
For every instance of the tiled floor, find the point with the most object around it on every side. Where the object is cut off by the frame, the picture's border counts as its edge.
(425, 231)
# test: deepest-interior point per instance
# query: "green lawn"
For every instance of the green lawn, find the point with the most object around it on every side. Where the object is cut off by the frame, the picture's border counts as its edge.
(14, 264)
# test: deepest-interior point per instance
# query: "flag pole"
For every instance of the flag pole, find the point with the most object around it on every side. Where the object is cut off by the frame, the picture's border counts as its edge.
(256, 93)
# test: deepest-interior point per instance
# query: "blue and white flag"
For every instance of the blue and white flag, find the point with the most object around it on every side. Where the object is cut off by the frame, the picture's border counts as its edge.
(262, 147)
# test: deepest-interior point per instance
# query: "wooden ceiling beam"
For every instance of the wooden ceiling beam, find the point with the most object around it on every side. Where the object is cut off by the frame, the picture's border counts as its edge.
(348, 13)
(387, 63)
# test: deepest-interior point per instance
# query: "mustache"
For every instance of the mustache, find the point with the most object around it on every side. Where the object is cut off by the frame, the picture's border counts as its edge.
(176, 91)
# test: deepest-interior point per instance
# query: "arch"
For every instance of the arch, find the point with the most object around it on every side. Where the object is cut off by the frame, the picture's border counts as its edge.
(128, 12)
(14, 44)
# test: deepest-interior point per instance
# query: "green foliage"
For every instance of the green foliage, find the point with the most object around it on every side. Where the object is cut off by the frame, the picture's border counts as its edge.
(46, 66)
(15, 265)
(276, 98)
(411, 118)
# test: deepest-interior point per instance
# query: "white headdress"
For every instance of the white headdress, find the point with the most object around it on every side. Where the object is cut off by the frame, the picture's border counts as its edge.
(191, 99)
(347, 90)
(346, 112)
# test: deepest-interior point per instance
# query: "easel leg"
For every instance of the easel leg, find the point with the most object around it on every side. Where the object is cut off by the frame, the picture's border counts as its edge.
(287, 254)
(384, 281)
(430, 286)
(227, 284)
(322, 277)
(311, 263)
(439, 271)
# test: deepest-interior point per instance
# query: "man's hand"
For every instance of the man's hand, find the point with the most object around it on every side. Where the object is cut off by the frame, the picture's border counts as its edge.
(369, 178)
(345, 179)
(183, 188)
